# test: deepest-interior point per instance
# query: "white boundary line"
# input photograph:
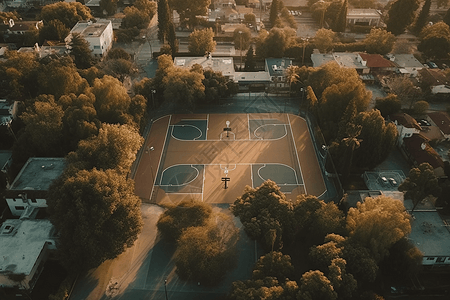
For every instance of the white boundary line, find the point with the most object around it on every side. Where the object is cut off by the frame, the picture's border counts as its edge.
(188, 125)
(251, 175)
(248, 128)
(203, 183)
(279, 138)
(293, 170)
(296, 153)
(186, 183)
(160, 157)
(207, 127)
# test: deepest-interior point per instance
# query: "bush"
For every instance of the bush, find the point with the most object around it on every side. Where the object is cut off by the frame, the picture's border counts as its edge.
(388, 105)
(188, 213)
(420, 107)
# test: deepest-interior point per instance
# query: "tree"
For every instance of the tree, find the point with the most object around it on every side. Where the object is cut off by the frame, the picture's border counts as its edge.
(135, 17)
(404, 258)
(118, 53)
(291, 76)
(402, 47)
(446, 18)
(177, 218)
(163, 19)
(388, 105)
(340, 23)
(111, 100)
(268, 288)
(315, 285)
(275, 42)
(67, 13)
(401, 15)
(273, 15)
(422, 18)
(435, 40)
(420, 183)
(378, 139)
(79, 49)
(404, 89)
(206, 253)
(110, 6)
(263, 209)
(250, 60)
(217, 86)
(379, 41)
(97, 215)
(115, 147)
(321, 256)
(183, 86)
(274, 264)
(250, 19)
(343, 282)
(172, 39)
(146, 6)
(324, 40)
(54, 30)
(43, 128)
(242, 36)
(421, 107)
(189, 10)
(377, 224)
(201, 42)
(118, 68)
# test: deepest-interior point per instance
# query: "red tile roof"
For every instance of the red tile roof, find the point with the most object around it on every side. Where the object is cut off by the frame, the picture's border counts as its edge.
(376, 61)
(405, 120)
(442, 120)
(417, 145)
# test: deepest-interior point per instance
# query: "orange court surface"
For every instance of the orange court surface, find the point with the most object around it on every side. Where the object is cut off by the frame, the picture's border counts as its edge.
(194, 156)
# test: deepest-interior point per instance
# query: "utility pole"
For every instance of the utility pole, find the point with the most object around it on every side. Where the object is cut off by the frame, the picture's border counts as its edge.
(240, 49)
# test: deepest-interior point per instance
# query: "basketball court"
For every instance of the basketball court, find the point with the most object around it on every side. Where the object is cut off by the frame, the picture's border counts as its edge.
(213, 157)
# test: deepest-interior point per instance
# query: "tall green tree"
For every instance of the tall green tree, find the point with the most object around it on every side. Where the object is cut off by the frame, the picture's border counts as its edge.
(379, 41)
(67, 13)
(263, 209)
(324, 40)
(315, 285)
(377, 224)
(110, 6)
(388, 105)
(183, 87)
(172, 39)
(420, 183)
(201, 41)
(422, 18)
(250, 60)
(400, 15)
(79, 49)
(97, 215)
(163, 19)
(435, 41)
(340, 23)
(115, 147)
(446, 18)
(273, 15)
(54, 30)
(242, 36)
(189, 10)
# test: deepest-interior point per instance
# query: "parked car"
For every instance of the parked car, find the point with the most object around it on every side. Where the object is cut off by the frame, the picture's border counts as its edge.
(432, 65)
(383, 180)
(392, 181)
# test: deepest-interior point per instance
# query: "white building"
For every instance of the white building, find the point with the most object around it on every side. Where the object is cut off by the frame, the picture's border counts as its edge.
(217, 64)
(28, 192)
(343, 59)
(363, 16)
(99, 35)
(25, 245)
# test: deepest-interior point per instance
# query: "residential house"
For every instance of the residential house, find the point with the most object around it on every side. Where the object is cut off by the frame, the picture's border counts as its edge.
(430, 234)
(442, 120)
(44, 51)
(99, 35)
(28, 192)
(276, 68)
(364, 17)
(14, 28)
(25, 245)
(406, 64)
(8, 112)
(418, 150)
(217, 64)
(435, 81)
(377, 63)
(343, 59)
(223, 3)
(406, 126)
(242, 11)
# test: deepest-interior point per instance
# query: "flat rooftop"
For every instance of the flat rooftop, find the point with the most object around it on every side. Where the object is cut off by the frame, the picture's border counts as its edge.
(429, 233)
(21, 242)
(38, 173)
(221, 64)
(90, 29)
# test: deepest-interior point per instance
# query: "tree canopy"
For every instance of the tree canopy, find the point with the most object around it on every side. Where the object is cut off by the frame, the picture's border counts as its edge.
(68, 13)
(201, 42)
(265, 210)
(435, 41)
(189, 10)
(97, 215)
(400, 15)
(379, 41)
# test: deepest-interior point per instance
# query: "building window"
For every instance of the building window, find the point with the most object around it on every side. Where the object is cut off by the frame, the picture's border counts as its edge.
(430, 258)
(96, 47)
(19, 207)
(440, 259)
(33, 200)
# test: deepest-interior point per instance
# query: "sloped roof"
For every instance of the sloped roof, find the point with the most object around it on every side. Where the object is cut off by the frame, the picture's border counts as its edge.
(442, 120)
(417, 145)
(405, 120)
(376, 61)
(433, 77)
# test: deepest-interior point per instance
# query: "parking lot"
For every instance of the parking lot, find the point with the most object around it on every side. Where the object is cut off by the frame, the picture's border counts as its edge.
(384, 180)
